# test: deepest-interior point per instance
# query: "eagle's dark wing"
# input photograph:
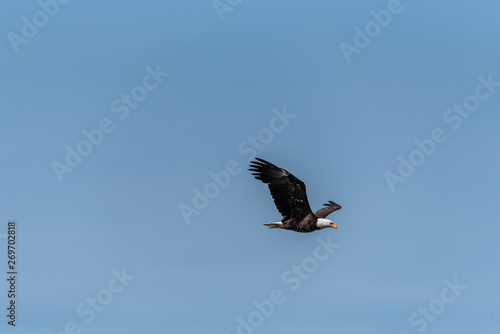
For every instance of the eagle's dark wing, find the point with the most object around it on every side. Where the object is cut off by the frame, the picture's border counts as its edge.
(288, 192)
(329, 208)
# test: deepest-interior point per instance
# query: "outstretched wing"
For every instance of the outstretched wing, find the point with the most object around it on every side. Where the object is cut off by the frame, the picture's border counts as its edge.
(288, 192)
(329, 208)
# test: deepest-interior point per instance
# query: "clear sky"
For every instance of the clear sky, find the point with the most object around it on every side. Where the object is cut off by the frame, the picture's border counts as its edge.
(127, 128)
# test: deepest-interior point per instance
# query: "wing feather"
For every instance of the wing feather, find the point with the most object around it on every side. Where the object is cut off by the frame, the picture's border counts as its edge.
(329, 208)
(288, 192)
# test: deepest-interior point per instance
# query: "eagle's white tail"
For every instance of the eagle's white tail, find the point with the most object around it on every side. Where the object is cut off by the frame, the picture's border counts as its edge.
(275, 225)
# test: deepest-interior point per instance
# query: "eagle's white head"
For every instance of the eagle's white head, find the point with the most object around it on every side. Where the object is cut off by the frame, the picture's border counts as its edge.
(324, 223)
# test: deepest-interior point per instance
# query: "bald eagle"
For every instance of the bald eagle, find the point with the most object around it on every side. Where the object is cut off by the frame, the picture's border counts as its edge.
(290, 198)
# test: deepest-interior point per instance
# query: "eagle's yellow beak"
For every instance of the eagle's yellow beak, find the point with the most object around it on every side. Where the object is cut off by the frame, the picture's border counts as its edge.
(334, 226)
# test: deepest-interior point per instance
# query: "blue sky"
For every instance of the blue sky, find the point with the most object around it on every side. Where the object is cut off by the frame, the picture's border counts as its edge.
(156, 98)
